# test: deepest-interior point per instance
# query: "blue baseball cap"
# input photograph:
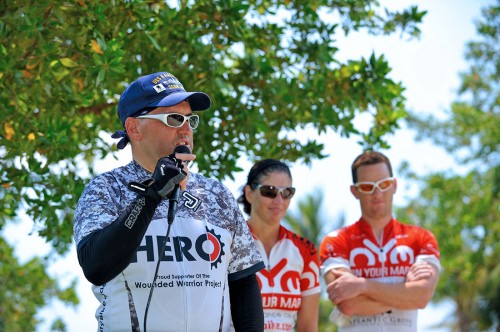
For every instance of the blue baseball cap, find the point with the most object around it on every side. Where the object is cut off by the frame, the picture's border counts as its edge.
(151, 91)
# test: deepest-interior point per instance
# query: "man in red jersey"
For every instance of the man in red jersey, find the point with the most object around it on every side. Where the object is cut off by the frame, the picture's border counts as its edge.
(378, 271)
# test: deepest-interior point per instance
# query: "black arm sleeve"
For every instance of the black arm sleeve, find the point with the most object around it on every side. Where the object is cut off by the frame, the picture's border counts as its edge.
(107, 252)
(246, 305)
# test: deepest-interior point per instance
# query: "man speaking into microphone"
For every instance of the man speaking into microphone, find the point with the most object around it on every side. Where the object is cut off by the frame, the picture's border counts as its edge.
(191, 271)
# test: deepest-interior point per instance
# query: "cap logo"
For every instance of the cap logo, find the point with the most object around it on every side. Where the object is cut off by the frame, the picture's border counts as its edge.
(159, 88)
(171, 83)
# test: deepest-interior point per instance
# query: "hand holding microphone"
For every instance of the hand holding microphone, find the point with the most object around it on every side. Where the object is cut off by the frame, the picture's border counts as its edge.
(173, 195)
(166, 178)
(169, 172)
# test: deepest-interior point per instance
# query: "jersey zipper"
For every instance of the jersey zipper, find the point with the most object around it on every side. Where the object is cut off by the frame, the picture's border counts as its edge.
(381, 245)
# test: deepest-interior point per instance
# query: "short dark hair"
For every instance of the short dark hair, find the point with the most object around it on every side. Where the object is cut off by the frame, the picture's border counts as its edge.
(369, 158)
(257, 172)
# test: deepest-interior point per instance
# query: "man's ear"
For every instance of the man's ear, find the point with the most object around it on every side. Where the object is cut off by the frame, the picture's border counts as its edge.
(132, 128)
(394, 185)
(355, 192)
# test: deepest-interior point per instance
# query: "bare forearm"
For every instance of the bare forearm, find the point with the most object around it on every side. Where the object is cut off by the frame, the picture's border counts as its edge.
(307, 318)
(362, 305)
(406, 296)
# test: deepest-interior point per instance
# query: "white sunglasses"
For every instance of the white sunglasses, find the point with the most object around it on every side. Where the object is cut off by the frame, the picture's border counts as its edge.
(369, 187)
(174, 120)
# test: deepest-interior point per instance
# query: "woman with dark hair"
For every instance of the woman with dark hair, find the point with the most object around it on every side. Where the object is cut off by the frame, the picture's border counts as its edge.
(290, 282)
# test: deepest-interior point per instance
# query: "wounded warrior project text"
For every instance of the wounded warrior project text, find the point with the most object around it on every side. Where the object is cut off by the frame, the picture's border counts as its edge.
(180, 282)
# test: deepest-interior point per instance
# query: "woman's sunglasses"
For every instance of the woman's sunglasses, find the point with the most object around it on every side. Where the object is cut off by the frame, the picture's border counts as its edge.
(369, 187)
(272, 191)
(174, 120)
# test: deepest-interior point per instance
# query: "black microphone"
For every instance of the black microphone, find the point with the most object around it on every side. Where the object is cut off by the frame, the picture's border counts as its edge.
(174, 196)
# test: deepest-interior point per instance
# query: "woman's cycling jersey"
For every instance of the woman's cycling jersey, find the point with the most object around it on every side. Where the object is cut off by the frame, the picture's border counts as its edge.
(292, 272)
(355, 248)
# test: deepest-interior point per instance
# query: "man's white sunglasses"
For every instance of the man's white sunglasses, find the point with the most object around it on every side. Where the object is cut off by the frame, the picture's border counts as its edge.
(369, 187)
(174, 120)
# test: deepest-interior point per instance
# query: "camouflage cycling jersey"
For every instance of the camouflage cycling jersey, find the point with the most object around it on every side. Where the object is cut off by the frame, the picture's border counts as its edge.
(209, 243)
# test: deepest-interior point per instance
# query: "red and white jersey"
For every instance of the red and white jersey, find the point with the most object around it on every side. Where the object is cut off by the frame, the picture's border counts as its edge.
(355, 247)
(292, 272)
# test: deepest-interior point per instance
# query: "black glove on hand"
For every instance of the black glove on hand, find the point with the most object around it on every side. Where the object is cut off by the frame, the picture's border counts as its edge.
(168, 172)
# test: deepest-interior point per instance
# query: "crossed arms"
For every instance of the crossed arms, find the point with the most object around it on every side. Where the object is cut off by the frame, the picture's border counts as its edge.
(360, 296)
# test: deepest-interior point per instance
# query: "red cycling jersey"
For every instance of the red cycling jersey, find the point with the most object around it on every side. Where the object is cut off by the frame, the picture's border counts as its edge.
(355, 248)
(292, 272)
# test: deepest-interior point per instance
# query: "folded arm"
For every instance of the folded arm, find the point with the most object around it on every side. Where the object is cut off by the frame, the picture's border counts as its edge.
(356, 305)
(412, 294)
(415, 293)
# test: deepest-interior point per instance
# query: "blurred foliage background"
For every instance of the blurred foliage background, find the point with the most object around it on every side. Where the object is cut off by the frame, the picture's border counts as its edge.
(271, 68)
